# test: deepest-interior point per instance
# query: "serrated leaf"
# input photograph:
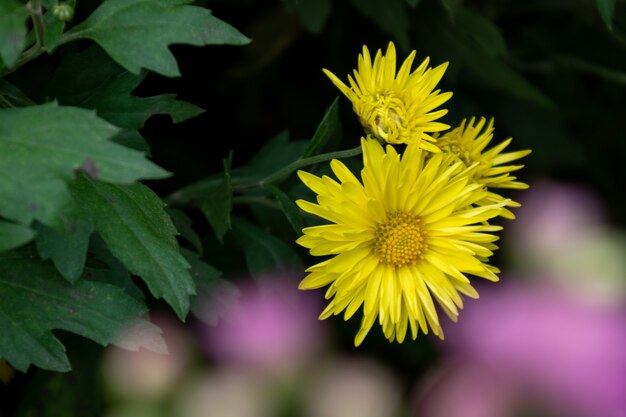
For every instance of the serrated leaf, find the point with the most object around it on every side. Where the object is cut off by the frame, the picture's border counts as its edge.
(606, 8)
(391, 16)
(289, 209)
(137, 231)
(329, 127)
(113, 102)
(264, 252)
(89, 79)
(483, 31)
(13, 16)
(41, 149)
(137, 33)
(65, 246)
(183, 223)
(109, 269)
(217, 203)
(313, 13)
(13, 235)
(34, 300)
(132, 139)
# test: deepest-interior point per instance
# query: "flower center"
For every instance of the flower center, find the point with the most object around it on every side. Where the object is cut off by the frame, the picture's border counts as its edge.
(384, 116)
(453, 146)
(400, 239)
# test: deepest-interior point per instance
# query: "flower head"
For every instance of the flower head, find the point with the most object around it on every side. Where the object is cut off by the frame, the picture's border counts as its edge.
(468, 142)
(407, 234)
(396, 107)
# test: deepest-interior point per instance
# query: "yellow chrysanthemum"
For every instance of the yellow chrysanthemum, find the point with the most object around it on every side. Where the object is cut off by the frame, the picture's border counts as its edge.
(408, 234)
(468, 142)
(396, 108)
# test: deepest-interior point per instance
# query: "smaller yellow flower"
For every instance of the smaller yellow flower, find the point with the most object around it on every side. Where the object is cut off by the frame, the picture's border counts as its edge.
(396, 107)
(468, 142)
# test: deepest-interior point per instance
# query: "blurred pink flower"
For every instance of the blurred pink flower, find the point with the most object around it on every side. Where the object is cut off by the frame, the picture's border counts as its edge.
(269, 324)
(549, 345)
(465, 389)
(553, 215)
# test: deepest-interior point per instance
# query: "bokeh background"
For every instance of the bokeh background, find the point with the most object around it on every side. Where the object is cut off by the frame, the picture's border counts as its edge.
(549, 340)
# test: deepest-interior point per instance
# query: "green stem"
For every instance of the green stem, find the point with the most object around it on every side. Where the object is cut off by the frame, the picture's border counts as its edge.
(300, 163)
(36, 14)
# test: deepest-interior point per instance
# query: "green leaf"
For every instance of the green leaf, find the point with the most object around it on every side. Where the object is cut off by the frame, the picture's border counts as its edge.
(137, 33)
(113, 102)
(276, 153)
(72, 391)
(132, 139)
(606, 8)
(313, 13)
(214, 293)
(13, 235)
(391, 16)
(451, 6)
(264, 252)
(13, 16)
(53, 32)
(41, 149)
(329, 127)
(489, 68)
(34, 300)
(11, 96)
(482, 31)
(66, 247)
(109, 269)
(89, 79)
(412, 3)
(137, 231)
(183, 223)
(217, 203)
(289, 209)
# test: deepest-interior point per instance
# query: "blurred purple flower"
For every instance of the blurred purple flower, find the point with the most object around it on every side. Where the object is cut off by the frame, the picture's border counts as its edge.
(465, 389)
(548, 344)
(269, 324)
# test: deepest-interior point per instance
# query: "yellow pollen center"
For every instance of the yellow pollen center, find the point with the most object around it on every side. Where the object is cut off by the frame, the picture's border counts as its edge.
(455, 146)
(401, 239)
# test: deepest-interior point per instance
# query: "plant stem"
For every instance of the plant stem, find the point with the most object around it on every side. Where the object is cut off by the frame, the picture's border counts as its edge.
(300, 163)
(36, 14)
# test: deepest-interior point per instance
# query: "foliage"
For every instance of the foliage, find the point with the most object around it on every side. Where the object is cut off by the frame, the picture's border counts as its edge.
(107, 206)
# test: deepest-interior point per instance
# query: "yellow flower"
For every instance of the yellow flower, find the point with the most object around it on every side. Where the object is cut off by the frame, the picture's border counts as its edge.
(406, 235)
(396, 108)
(468, 142)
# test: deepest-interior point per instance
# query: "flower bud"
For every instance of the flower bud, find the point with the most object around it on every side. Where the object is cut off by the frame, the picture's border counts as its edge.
(63, 12)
